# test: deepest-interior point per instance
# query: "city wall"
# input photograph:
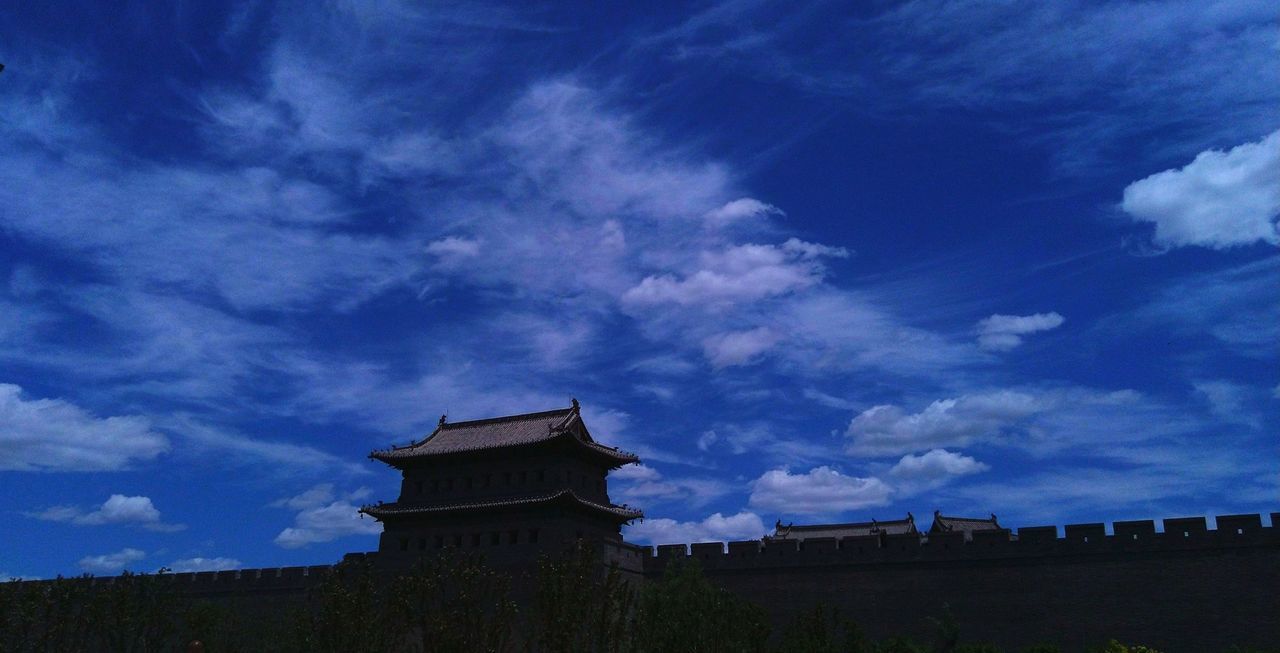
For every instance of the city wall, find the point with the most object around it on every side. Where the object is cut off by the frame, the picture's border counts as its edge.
(1185, 588)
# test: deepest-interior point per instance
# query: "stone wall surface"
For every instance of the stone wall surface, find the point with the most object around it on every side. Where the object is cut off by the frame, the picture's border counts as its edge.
(1187, 589)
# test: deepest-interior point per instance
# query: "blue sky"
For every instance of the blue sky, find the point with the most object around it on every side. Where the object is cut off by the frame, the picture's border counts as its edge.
(819, 264)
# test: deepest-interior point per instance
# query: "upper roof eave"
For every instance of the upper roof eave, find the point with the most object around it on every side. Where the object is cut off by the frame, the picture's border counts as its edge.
(497, 433)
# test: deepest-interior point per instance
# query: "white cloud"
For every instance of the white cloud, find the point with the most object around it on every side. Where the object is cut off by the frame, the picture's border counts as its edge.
(715, 528)
(739, 273)
(110, 563)
(935, 467)
(887, 429)
(635, 472)
(1219, 200)
(810, 251)
(56, 435)
(820, 491)
(1005, 332)
(741, 209)
(738, 347)
(118, 509)
(452, 250)
(203, 564)
(322, 517)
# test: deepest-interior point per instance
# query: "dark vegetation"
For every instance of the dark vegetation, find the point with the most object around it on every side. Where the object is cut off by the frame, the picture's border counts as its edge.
(446, 604)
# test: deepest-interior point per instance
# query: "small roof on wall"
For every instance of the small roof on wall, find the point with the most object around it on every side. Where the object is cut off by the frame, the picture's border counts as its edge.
(505, 432)
(853, 529)
(967, 525)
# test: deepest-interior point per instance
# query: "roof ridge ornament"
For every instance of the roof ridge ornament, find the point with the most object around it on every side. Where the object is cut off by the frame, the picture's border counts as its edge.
(574, 406)
(443, 419)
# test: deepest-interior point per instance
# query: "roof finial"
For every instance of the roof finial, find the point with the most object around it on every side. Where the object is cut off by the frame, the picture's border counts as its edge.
(443, 418)
(574, 403)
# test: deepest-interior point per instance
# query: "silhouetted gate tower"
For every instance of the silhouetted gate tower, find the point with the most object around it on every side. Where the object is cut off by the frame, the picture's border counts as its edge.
(508, 487)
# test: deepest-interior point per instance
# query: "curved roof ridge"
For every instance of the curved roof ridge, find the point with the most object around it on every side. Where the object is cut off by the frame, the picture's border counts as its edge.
(504, 418)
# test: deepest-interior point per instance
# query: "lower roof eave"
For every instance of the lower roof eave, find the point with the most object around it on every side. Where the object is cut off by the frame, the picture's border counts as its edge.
(382, 512)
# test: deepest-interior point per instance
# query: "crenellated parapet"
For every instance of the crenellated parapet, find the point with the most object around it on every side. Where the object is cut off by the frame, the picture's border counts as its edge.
(237, 582)
(1046, 543)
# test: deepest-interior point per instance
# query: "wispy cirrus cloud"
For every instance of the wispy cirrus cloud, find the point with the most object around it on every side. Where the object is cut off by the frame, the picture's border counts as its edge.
(1037, 420)
(1092, 74)
(644, 485)
(1231, 308)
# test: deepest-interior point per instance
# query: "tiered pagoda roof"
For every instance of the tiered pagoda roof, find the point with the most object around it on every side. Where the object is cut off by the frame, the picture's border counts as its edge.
(512, 431)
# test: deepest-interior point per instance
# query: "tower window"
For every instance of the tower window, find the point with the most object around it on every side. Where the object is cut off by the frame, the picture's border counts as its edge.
(542, 476)
(524, 477)
(422, 543)
(435, 485)
(448, 485)
(417, 485)
(466, 483)
(457, 540)
(475, 539)
(495, 538)
(404, 544)
(506, 478)
(513, 537)
(533, 535)
(439, 541)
